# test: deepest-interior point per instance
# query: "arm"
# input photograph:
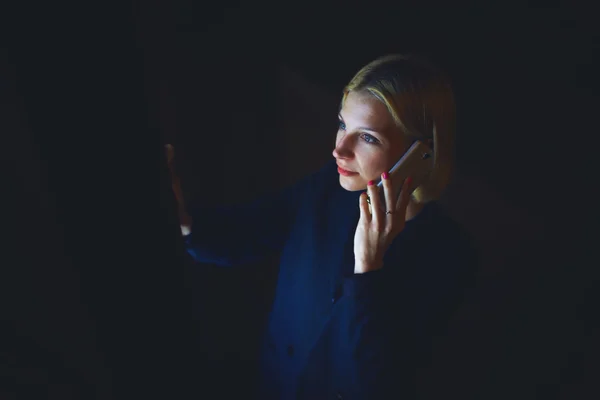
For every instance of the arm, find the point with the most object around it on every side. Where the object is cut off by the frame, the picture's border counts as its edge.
(386, 332)
(243, 233)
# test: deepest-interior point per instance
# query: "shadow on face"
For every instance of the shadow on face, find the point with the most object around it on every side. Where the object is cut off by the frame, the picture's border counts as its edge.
(368, 141)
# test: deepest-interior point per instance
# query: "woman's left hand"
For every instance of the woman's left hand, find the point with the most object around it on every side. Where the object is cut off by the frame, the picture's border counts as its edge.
(377, 227)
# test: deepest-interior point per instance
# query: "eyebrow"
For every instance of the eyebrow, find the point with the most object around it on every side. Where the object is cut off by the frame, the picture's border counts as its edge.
(362, 128)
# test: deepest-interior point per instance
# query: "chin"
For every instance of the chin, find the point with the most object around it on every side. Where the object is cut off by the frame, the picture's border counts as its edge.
(352, 184)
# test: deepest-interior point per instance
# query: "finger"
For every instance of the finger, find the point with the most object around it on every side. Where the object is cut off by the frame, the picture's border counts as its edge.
(404, 198)
(376, 211)
(388, 193)
(170, 150)
(170, 153)
(365, 214)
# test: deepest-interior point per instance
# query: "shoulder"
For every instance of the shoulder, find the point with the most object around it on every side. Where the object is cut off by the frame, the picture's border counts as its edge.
(443, 227)
(318, 183)
(444, 241)
(301, 190)
(325, 177)
(452, 242)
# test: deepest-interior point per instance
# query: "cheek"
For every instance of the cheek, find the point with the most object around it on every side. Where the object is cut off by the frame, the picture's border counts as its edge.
(370, 160)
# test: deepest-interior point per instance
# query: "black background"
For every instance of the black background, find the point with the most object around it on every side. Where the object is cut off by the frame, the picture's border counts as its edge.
(98, 298)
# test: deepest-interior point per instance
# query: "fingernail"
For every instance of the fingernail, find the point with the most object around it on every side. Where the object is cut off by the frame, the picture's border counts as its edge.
(409, 181)
(385, 175)
(371, 183)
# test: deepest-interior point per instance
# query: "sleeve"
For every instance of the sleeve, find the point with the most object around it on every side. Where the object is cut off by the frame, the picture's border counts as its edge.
(245, 233)
(385, 334)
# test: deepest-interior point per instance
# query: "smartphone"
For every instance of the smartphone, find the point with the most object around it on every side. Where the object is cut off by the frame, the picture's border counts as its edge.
(417, 163)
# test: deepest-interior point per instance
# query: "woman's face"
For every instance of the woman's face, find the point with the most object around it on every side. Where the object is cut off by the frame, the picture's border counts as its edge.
(368, 141)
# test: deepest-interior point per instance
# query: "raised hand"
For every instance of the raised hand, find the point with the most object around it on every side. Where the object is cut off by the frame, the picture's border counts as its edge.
(377, 227)
(185, 221)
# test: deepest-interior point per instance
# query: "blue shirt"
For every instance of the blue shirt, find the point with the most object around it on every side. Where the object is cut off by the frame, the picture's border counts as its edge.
(332, 333)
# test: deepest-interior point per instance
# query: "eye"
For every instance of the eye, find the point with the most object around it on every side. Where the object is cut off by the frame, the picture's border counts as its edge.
(369, 138)
(342, 125)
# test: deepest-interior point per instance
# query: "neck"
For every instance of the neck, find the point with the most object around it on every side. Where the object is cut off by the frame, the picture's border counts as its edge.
(413, 209)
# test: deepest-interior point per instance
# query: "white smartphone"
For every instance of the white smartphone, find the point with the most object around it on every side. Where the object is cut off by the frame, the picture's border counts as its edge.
(417, 163)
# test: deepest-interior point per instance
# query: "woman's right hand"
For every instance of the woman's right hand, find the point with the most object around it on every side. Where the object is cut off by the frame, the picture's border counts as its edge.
(185, 221)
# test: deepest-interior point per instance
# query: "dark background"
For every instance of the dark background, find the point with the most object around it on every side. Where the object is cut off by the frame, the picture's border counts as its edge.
(98, 298)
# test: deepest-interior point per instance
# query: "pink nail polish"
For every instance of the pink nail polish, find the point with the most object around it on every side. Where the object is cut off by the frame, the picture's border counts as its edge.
(385, 175)
(371, 183)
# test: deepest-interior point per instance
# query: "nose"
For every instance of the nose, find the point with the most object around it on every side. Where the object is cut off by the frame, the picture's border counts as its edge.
(343, 147)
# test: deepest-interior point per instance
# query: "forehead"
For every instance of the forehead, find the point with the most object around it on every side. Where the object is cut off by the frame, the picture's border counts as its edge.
(364, 110)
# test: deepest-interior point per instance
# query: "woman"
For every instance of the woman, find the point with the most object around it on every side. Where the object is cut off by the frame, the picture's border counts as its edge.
(361, 290)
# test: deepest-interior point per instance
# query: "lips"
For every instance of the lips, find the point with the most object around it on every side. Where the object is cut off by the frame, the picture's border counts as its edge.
(346, 172)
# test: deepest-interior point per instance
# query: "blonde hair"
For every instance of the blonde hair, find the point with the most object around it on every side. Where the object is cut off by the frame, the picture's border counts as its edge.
(420, 99)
